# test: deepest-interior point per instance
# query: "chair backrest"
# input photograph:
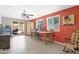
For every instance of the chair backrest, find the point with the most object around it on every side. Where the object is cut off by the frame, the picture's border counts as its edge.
(75, 37)
(52, 33)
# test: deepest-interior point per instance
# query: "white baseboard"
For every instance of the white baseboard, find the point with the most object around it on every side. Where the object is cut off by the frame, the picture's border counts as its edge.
(59, 42)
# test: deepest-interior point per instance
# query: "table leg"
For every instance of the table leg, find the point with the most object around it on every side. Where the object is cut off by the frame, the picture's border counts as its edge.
(46, 42)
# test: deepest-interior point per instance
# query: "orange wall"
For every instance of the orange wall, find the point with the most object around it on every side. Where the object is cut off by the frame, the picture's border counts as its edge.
(65, 31)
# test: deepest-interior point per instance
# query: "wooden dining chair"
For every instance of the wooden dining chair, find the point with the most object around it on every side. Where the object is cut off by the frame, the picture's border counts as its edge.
(68, 47)
(42, 36)
(70, 43)
(51, 36)
(32, 35)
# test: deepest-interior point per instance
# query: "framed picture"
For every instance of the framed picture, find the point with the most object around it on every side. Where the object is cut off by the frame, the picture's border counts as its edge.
(39, 24)
(68, 20)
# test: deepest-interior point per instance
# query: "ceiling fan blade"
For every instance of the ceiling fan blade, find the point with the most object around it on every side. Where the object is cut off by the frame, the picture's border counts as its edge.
(26, 15)
(29, 14)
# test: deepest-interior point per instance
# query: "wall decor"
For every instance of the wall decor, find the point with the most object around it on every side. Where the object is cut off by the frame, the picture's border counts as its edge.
(39, 24)
(68, 19)
(44, 24)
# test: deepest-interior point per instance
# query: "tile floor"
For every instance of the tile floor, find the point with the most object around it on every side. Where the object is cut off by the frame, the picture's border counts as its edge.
(21, 44)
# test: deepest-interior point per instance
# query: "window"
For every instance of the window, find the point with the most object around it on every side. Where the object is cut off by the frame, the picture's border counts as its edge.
(50, 23)
(53, 23)
(56, 23)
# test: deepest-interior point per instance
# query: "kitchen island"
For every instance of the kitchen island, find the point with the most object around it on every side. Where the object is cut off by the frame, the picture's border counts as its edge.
(5, 41)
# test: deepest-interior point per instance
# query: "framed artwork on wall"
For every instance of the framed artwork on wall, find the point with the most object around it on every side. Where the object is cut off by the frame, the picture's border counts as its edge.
(68, 19)
(44, 25)
(39, 24)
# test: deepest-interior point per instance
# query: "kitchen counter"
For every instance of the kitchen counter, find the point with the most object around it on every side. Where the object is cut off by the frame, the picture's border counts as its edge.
(5, 34)
(5, 41)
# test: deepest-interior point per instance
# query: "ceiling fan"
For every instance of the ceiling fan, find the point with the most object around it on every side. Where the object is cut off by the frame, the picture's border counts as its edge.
(25, 15)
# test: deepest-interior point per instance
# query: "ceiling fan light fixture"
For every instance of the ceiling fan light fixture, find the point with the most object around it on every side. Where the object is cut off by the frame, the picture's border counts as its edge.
(25, 15)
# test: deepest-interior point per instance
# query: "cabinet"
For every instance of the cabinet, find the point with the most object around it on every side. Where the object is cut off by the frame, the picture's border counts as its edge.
(4, 41)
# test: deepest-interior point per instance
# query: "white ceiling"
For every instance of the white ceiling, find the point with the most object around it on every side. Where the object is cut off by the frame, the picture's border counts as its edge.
(14, 11)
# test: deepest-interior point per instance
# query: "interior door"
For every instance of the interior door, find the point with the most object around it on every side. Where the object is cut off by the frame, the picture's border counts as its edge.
(28, 28)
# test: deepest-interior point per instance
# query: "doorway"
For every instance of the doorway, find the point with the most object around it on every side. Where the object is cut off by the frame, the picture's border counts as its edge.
(28, 27)
(18, 27)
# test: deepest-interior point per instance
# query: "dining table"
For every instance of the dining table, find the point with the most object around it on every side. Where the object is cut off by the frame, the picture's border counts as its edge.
(45, 35)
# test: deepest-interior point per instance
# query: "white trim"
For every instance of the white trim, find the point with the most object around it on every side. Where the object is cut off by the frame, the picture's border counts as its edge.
(52, 25)
(47, 21)
(59, 42)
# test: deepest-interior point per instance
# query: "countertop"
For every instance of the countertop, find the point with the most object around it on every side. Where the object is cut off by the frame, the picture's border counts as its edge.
(5, 34)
